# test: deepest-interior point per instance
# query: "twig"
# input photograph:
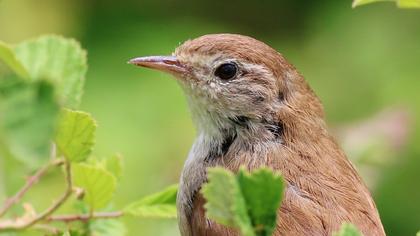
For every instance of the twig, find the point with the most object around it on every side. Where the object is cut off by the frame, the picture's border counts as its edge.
(85, 217)
(29, 183)
(50, 210)
(59, 202)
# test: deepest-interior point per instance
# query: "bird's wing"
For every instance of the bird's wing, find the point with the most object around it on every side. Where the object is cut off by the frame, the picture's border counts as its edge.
(323, 191)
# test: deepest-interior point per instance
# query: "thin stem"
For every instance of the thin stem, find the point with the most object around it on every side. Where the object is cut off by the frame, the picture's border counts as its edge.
(60, 201)
(29, 183)
(50, 210)
(85, 217)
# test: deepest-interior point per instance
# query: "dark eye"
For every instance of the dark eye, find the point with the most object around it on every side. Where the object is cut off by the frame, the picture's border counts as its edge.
(226, 71)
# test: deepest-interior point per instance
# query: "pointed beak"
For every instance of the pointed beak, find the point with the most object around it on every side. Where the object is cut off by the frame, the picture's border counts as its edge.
(169, 64)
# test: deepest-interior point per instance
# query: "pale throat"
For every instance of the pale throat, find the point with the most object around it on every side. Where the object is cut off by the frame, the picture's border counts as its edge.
(216, 126)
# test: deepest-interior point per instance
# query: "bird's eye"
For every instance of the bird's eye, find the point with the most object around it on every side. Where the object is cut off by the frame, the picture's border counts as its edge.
(226, 71)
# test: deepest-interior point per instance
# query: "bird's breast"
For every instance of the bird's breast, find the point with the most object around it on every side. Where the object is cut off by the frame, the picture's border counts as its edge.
(231, 153)
(323, 189)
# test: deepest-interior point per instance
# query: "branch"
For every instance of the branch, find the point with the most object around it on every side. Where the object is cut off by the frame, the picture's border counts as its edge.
(25, 224)
(85, 217)
(29, 183)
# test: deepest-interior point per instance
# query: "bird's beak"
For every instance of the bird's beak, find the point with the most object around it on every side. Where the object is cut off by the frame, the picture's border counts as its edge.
(169, 64)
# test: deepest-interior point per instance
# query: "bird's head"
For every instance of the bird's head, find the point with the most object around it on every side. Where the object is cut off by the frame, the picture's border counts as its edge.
(234, 80)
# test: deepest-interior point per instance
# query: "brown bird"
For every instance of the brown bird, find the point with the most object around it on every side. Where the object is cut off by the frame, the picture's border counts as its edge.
(252, 108)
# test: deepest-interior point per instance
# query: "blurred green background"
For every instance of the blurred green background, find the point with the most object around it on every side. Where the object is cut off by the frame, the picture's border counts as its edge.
(364, 63)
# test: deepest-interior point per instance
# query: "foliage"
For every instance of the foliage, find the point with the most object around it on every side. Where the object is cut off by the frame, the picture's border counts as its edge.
(97, 183)
(248, 201)
(400, 3)
(263, 192)
(27, 122)
(225, 202)
(41, 80)
(161, 204)
(75, 135)
(61, 61)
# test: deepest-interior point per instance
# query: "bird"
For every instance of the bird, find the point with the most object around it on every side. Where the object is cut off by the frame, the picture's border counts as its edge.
(252, 109)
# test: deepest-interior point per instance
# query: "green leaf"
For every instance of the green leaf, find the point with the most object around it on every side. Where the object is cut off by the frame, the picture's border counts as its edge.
(347, 230)
(99, 185)
(408, 3)
(8, 57)
(418, 233)
(114, 165)
(263, 192)
(28, 113)
(75, 134)
(161, 204)
(400, 3)
(225, 202)
(59, 60)
(110, 227)
(248, 201)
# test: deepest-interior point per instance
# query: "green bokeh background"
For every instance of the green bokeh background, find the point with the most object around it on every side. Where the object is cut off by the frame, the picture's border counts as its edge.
(359, 61)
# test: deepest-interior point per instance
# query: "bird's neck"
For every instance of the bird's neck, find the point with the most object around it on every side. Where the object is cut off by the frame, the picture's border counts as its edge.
(219, 135)
(218, 127)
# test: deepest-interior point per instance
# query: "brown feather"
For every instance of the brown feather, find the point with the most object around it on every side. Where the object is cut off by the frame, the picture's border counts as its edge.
(323, 188)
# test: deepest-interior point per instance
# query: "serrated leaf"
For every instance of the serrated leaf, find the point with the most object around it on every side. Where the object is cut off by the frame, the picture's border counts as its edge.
(109, 227)
(347, 229)
(248, 201)
(28, 112)
(263, 192)
(75, 135)
(99, 185)
(161, 205)
(59, 60)
(8, 57)
(400, 3)
(114, 165)
(225, 203)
